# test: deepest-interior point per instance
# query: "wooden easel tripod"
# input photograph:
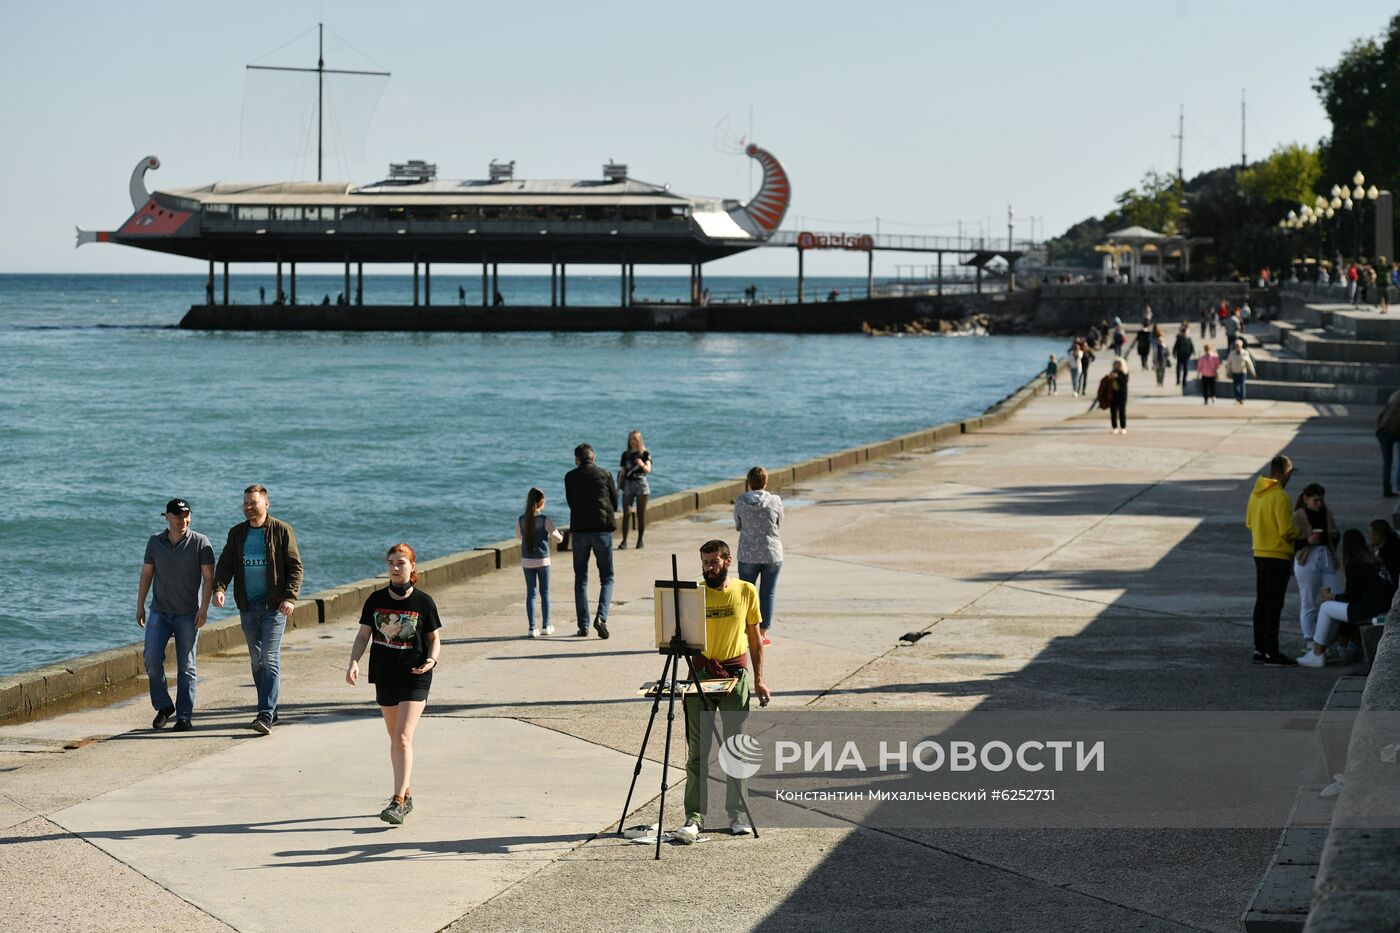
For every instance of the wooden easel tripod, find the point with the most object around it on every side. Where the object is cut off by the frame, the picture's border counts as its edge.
(674, 651)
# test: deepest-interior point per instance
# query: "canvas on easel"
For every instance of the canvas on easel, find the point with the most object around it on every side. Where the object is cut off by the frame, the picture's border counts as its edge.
(692, 609)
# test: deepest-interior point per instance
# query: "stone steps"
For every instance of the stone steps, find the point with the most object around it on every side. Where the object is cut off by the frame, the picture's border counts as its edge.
(1316, 392)
(1317, 344)
(1292, 369)
(1366, 325)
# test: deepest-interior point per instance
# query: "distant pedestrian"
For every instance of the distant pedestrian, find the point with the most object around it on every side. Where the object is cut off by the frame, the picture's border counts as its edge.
(1388, 435)
(497, 300)
(262, 295)
(461, 296)
(1240, 366)
(1086, 357)
(632, 474)
(1143, 342)
(1052, 372)
(1113, 395)
(1207, 368)
(1315, 562)
(1232, 329)
(261, 560)
(1159, 354)
(592, 498)
(1119, 340)
(177, 562)
(536, 533)
(758, 517)
(1353, 275)
(1269, 518)
(1369, 594)
(1147, 317)
(401, 623)
(1207, 320)
(1182, 351)
(1076, 356)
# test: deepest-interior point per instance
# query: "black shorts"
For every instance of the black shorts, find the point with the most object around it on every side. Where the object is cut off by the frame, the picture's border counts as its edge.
(391, 691)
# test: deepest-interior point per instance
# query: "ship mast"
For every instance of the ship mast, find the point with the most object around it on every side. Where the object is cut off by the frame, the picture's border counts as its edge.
(321, 71)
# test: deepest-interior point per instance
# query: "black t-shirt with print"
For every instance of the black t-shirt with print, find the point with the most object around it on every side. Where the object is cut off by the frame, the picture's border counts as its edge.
(630, 463)
(398, 632)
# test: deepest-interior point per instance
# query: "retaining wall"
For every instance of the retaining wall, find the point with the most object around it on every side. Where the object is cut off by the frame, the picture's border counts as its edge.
(108, 675)
(1073, 308)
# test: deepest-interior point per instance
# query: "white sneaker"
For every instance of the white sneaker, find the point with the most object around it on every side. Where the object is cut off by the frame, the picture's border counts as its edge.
(533, 634)
(1310, 659)
(548, 630)
(688, 833)
(738, 827)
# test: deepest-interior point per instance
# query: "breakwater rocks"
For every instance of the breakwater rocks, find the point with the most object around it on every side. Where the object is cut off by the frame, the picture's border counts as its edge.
(979, 325)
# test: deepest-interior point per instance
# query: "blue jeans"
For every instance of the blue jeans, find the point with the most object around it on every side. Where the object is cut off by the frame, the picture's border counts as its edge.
(1390, 466)
(767, 577)
(537, 577)
(262, 630)
(1238, 379)
(600, 545)
(160, 626)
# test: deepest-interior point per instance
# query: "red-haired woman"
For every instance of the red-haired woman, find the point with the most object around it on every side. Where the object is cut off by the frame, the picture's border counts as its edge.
(402, 623)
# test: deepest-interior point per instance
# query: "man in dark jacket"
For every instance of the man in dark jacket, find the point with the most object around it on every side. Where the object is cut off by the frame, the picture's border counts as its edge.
(261, 559)
(592, 497)
(1183, 350)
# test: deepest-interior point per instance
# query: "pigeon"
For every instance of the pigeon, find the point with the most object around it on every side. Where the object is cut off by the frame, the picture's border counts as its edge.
(911, 637)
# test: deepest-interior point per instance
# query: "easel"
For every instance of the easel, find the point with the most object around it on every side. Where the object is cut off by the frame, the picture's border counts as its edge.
(674, 651)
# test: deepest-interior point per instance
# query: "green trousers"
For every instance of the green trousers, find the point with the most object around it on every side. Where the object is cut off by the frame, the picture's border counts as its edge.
(733, 710)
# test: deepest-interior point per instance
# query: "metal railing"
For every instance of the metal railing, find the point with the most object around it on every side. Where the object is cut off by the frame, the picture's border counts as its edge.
(915, 243)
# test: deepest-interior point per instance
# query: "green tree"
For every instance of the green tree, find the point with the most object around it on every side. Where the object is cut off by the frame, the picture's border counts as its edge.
(1361, 95)
(1158, 203)
(1289, 174)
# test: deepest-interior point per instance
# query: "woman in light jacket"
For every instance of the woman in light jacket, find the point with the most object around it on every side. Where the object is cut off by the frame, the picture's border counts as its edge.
(1315, 562)
(758, 515)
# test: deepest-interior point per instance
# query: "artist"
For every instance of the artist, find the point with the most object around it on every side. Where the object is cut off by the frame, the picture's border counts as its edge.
(732, 638)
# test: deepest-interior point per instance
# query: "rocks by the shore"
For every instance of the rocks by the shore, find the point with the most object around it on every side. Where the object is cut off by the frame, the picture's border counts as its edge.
(976, 325)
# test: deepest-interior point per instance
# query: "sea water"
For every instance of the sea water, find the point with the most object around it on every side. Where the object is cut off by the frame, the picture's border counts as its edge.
(363, 439)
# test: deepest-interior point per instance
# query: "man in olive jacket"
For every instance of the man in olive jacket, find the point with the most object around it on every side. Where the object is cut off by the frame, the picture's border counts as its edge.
(261, 559)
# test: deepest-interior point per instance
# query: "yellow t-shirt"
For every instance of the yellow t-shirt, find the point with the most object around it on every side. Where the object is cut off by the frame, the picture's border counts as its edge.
(728, 613)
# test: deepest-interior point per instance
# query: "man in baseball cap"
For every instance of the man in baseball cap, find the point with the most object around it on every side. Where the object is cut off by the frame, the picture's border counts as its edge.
(177, 561)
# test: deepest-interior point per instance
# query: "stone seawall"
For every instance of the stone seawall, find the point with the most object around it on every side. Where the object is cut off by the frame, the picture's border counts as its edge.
(1073, 308)
(119, 672)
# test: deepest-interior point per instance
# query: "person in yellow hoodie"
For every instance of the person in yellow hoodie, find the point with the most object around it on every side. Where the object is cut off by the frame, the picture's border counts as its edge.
(1269, 518)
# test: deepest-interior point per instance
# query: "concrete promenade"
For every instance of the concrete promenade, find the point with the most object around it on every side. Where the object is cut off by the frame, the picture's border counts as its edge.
(1054, 565)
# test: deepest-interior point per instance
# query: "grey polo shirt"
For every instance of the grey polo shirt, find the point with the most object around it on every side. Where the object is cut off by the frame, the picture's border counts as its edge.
(177, 571)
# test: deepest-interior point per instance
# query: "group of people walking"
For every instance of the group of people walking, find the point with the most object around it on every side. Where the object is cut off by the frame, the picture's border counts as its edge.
(1299, 539)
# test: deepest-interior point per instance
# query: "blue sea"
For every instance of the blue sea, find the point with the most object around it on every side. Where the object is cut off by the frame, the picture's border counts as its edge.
(107, 410)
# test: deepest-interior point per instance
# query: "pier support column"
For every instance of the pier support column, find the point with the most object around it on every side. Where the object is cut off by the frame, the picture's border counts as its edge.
(346, 292)
(870, 274)
(631, 283)
(485, 295)
(294, 282)
(415, 283)
(225, 283)
(563, 285)
(801, 279)
(209, 285)
(359, 283)
(427, 283)
(495, 281)
(694, 289)
(553, 284)
(623, 301)
(279, 299)
(700, 282)
(940, 275)
(979, 280)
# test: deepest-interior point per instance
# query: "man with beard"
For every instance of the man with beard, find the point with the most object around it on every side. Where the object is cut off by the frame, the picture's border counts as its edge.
(732, 639)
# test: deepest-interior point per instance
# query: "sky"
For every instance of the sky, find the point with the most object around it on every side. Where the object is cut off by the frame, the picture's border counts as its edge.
(921, 118)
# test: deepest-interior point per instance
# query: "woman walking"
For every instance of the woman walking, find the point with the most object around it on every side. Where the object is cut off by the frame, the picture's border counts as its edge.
(1086, 357)
(1143, 341)
(758, 515)
(1207, 370)
(1076, 355)
(1159, 354)
(1113, 395)
(1240, 366)
(632, 483)
(536, 533)
(1314, 563)
(1368, 595)
(402, 622)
